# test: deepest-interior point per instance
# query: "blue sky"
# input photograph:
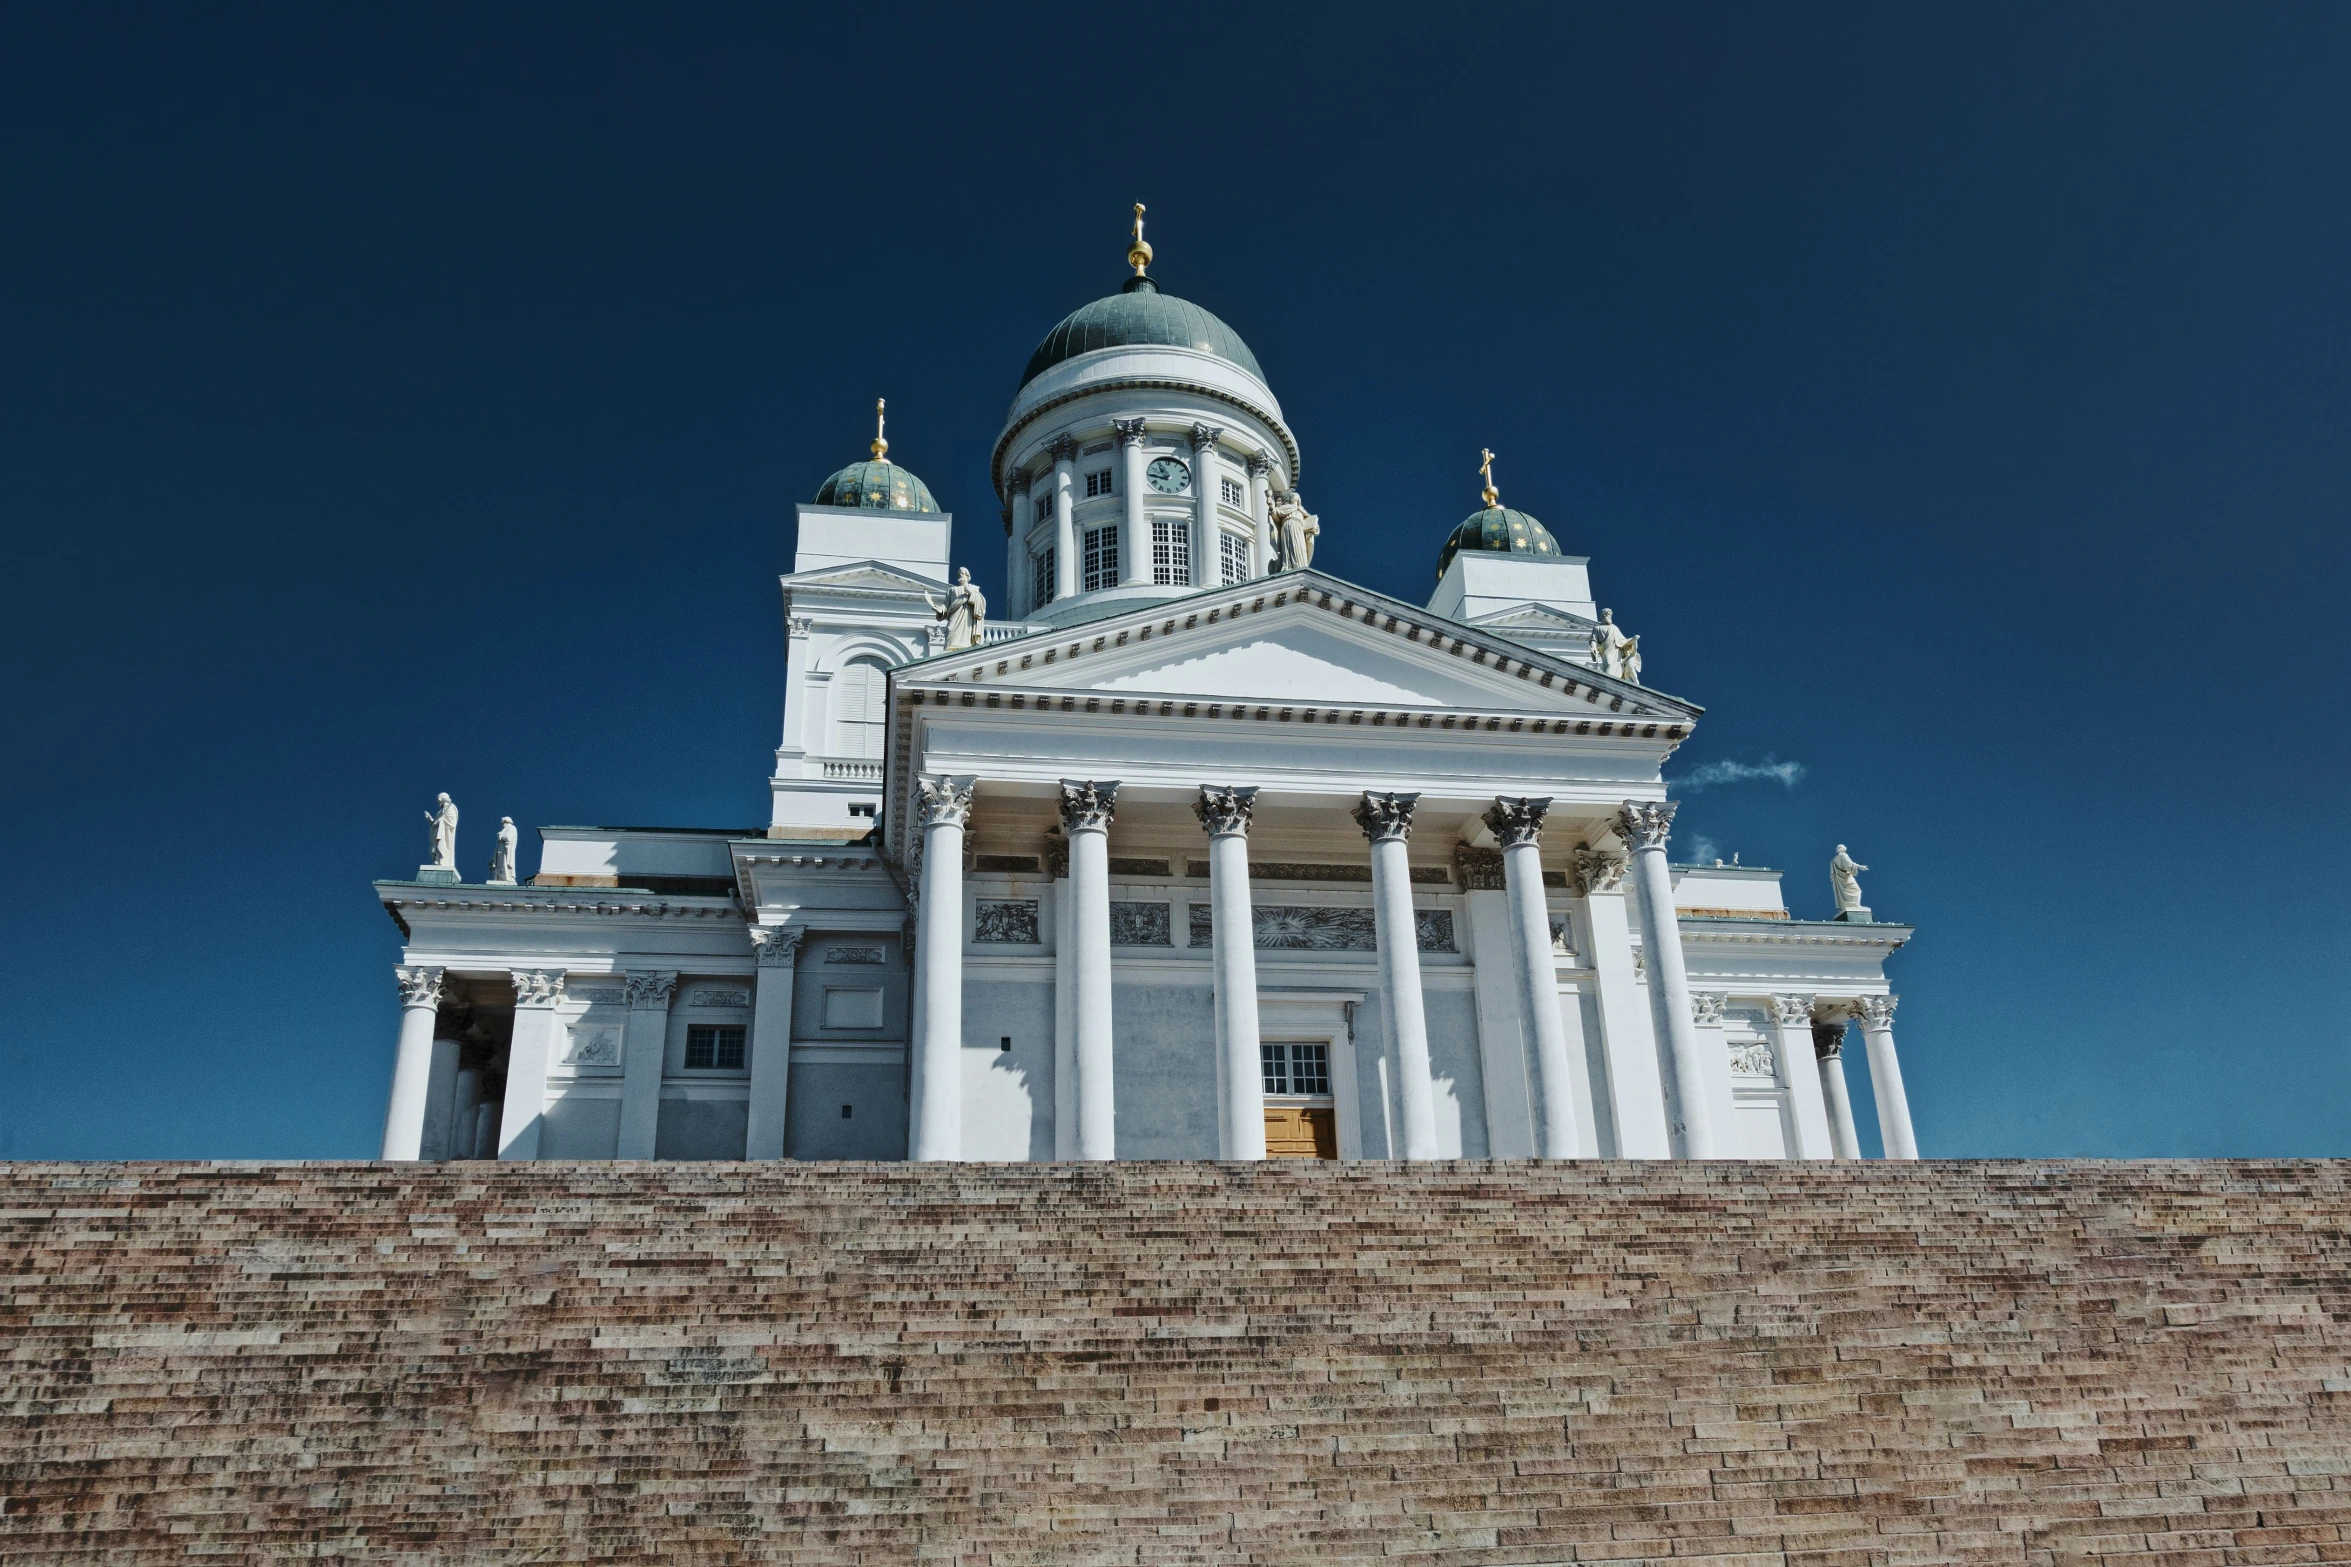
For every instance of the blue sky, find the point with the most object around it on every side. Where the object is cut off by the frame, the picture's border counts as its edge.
(1954, 399)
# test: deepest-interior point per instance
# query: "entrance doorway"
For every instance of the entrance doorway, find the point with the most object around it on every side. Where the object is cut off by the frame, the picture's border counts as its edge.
(1301, 1119)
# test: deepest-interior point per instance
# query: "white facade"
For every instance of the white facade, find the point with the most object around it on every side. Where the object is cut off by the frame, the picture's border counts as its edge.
(1166, 866)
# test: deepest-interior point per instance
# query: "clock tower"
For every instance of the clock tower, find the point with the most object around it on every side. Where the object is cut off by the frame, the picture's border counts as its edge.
(1139, 459)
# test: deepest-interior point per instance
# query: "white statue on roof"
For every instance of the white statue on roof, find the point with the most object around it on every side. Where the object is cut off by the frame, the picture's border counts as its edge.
(965, 612)
(502, 857)
(1844, 882)
(1294, 530)
(443, 816)
(1611, 648)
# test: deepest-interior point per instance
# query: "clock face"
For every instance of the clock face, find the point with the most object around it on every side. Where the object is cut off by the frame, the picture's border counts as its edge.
(1168, 476)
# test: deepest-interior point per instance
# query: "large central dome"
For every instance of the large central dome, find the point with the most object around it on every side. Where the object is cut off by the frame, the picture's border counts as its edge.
(1139, 315)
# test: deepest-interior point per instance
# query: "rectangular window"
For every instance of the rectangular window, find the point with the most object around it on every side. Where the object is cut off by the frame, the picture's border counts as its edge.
(1047, 565)
(714, 1048)
(1098, 482)
(1171, 554)
(1230, 489)
(1234, 553)
(1296, 1069)
(1101, 558)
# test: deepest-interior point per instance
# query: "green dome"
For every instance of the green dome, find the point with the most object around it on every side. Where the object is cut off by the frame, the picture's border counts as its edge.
(1139, 315)
(1500, 528)
(881, 485)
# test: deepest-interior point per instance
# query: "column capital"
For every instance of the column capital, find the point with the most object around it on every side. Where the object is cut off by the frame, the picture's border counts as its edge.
(1646, 824)
(1386, 817)
(1517, 821)
(943, 800)
(776, 947)
(1791, 1011)
(1706, 1007)
(649, 989)
(797, 627)
(540, 989)
(1259, 465)
(1088, 805)
(1016, 482)
(1599, 870)
(1130, 431)
(419, 986)
(1064, 448)
(1875, 1011)
(1479, 870)
(1225, 811)
(1204, 436)
(1828, 1038)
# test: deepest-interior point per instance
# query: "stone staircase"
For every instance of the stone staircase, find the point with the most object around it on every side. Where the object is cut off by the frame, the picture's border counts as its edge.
(1176, 1363)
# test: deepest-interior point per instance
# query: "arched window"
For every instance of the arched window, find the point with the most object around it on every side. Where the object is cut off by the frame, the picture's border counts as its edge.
(858, 711)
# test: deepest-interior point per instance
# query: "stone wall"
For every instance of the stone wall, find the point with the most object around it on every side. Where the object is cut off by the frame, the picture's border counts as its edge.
(1938, 1363)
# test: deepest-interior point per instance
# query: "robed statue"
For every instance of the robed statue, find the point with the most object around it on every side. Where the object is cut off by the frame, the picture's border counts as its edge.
(1294, 531)
(502, 857)
(1609, 648)
(1844, 880)
(443, 816)
(965, 611)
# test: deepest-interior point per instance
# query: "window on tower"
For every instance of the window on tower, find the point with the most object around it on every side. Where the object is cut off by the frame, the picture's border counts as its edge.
(1098, 482)
(1171, 554)
(1046, 580)
(1101, 560)
(860, 709)
(1231, 490)
(1233, 553)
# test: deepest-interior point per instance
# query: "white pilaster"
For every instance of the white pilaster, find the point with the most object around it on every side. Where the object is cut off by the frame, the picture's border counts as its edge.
(1087, 807)
(1017, 583)
(1503, 1065)
(1791, 1044)
(1065, 1028)
(1885, 1076)
(1386, 820)
(412, 1068)
(1207, 558)
(1714, 1065)
(937, 1099)
(1135, 542)
(644, 1048)
(1065, 532)
(771, 1043)
(1636, 1092)
(1645, 826)
(1517, 824)
(1225, 813)
(1828, 1049)
(537, 993)
(1261, 513)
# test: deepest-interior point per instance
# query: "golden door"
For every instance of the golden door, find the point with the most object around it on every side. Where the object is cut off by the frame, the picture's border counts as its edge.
(1297, 1132)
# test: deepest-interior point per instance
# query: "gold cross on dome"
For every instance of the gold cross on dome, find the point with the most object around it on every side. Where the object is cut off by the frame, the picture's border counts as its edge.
(1139, 253)
(880, 445)
(1486, 468)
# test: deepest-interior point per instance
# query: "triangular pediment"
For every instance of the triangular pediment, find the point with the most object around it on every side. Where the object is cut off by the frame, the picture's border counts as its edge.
(862, 574)
(1297, 638)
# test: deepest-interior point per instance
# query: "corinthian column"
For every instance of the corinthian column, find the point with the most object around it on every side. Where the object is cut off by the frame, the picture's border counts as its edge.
(1136, 543)
(1386, 820)
(936, 1101)
(1260, 506)
(1225, 813)
(1517, 824)
(1792, 1049)
(764, 1116)
(1885, 1076)
(1062, 498)
(412, 1068)
(1018, 580)
(537, 993)
(1645, 826)
(643, 1049)
(1087, 807)
(1828, 1051)
(1207, 558)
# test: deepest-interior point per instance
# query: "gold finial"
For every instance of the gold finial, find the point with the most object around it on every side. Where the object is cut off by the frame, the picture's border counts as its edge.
(881, 447)
(1139, 253)
(1486, 467)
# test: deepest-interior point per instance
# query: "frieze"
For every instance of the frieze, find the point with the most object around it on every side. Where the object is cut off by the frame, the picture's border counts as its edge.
(1140, 925)
(1311, 928)
(1011, 920)
(594, 1047)
(854, 955)
(719, 998)
(1753, 1058)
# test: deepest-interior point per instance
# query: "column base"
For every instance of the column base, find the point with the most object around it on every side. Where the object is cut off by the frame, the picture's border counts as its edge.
(435, 876)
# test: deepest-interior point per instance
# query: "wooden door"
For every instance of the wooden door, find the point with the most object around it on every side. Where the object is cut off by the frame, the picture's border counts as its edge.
(1301, 1132)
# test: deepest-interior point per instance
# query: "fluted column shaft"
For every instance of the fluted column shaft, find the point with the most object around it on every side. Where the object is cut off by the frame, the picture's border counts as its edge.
(412, 1068)
(1645, 827)
(1386, 820)
(1086, 810)
(1828, 1050)
(1135, 544)
(1066, 564)
(1225, 813)
(1876, 1014)
(1517, 826)
(936, 1101)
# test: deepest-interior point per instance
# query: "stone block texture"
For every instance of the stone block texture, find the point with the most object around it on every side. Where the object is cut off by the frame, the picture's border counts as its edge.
(1173, 1363)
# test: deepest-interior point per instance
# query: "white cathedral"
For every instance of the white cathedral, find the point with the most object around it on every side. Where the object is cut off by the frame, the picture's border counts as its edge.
(1195, 853)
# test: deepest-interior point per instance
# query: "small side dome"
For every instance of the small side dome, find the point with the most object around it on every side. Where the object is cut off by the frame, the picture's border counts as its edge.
(1501, 528)
(880, 484)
